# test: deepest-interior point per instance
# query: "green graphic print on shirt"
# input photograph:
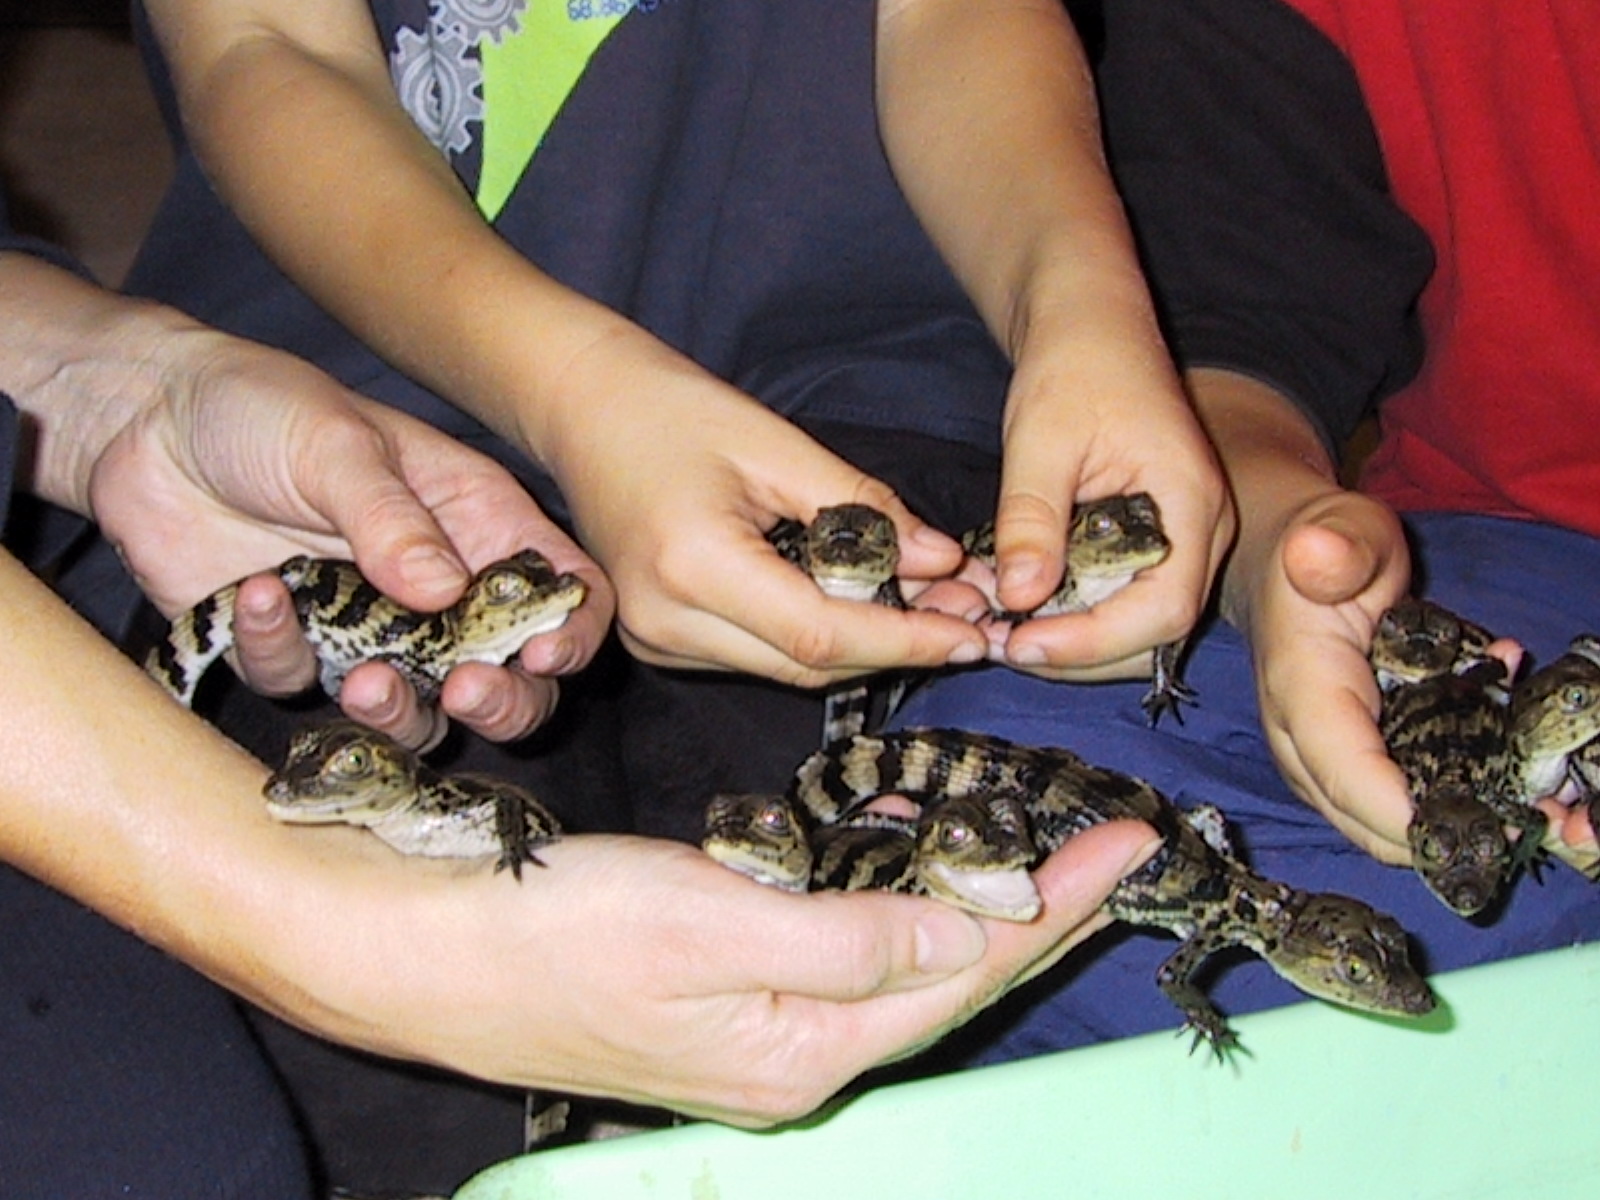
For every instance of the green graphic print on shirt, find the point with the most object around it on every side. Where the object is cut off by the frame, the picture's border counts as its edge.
(504, 67)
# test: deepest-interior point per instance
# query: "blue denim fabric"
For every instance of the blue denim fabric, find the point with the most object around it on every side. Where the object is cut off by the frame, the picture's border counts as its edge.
(1538, 584)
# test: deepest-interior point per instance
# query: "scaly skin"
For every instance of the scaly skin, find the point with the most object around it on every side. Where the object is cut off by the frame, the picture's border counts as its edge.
(1109, 542)
(970, 852)
(345, 773)
(1418, 639)
(1332, 947)
(1445, 718)
(348, 622)
(851, 551)
(1554, 713)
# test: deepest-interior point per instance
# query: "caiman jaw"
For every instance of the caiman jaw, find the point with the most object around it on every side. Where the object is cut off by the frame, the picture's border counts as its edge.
(1009, 895)
(332, 810)
(1341, 950)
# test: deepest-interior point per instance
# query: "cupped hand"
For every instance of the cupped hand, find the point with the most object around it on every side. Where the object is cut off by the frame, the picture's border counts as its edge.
(644, 971)
(1085, 421)
(674, 479)
(246, 456)
(1337, 564)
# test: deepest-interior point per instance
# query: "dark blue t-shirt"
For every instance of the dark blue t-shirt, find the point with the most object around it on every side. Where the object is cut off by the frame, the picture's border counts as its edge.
(713, 171)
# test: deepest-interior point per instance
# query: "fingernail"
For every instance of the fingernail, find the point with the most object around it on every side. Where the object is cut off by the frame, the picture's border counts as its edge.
(1143, 854)
(430, 569)
(966, 652)
(948, 942)
(1026, 655)
(564, 657)
(257, 604)
(930, 537)
(1019, 572)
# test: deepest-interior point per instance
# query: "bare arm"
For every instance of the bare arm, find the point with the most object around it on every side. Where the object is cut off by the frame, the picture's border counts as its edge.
(626, 967)
(671, 474)
(990, 121)
(205, 458)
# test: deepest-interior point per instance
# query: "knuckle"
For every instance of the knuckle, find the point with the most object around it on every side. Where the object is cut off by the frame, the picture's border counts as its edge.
(818, 647)
(876, 493)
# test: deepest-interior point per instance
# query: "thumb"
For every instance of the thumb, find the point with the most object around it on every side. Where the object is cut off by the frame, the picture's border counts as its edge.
(1030, 538)
(848, 946)
(393, 537)
(1338, 555)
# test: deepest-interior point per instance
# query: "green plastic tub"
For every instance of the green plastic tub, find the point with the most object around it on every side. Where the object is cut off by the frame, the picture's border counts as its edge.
(1491, 1096)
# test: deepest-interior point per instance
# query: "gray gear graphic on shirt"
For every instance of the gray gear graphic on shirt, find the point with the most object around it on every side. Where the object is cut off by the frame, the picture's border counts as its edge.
(440, 83)
(481, 20)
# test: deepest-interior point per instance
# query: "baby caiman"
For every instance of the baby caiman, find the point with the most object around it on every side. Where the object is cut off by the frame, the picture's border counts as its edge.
(1109, 542)
(345, 773)
(1330, 946)
(1445, 719)
(1555, 734)
(348, 622)
(972, 851)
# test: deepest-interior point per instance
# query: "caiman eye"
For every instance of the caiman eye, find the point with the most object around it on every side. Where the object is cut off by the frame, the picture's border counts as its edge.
(1357, 970)
(1099, 525)
(775, 817)
(505, 587)
(955, 834)
(353, 761)
(1576, 698)
(1432, 849)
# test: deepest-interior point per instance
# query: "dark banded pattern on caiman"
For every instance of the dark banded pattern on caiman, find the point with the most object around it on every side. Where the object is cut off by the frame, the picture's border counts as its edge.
(348, 622)
(1329, 946)
(1445, 719)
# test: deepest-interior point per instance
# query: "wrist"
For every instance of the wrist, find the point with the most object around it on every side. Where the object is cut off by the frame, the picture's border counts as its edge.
(81, 363)
(1084, 295)
(1277, 469)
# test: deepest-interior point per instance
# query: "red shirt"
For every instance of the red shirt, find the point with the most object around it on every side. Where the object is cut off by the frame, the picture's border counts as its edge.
(1488, 113)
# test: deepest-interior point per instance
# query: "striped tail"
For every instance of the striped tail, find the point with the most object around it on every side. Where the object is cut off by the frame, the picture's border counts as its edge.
(196, 639)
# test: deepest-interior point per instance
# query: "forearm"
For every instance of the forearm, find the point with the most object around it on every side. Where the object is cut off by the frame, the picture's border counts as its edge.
(1275, 464)
(155, 821)
(79, 362)
(990, 122)
(371, 220)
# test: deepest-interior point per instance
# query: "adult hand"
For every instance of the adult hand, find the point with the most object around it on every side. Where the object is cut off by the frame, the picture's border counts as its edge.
(674, 479)
(244, 456)
(645, 971)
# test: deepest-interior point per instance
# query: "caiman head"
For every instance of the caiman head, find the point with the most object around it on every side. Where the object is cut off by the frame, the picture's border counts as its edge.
(510, 601)
(975, 851)
(1418, 639)
(342, 772)
(1459, 849)
(1344, 951)
(1110, 541)
(759, 835)
(851, 550)
(1554, 713)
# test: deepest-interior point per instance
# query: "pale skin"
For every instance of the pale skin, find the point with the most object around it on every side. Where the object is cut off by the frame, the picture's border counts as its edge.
(1315, 567)
(989, 117)
(628, 967)
(673, 476)
(206, 458)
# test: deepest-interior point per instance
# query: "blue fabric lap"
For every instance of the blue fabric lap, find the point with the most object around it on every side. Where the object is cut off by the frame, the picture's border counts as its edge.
(1534, 583)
